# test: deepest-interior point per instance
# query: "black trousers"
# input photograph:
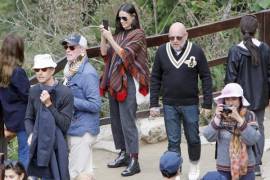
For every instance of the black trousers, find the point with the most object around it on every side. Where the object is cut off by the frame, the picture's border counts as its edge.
(123, 117)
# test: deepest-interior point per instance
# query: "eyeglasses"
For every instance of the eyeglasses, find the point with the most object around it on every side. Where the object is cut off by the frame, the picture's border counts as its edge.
(42, 69)
(122, 17)
(70, 47)
(178, 38)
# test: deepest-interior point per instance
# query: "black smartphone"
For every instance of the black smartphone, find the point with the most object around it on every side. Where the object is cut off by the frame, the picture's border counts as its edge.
(105, 23)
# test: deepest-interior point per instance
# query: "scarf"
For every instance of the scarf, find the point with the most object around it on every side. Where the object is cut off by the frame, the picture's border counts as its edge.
(133, 59)
(238, 153)
(239, 157)
(72, 68)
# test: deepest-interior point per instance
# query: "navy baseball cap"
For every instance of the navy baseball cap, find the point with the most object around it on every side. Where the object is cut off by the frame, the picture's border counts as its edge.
(170, 162)
(75, 39)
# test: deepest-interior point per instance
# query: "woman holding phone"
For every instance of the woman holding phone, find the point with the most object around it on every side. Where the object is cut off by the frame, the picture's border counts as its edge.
(125, 57)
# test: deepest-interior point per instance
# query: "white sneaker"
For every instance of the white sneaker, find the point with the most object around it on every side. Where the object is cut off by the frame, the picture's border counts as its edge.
(194, 170)
(177, 177)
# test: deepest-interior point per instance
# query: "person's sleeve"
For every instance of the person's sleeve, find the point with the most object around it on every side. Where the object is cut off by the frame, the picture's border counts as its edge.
(231, 70)
(250, 133)
(64, 114)
(155, 81)
(92, 101)
(20, 80)
(211, 131)
(206, 79)
(30, 116)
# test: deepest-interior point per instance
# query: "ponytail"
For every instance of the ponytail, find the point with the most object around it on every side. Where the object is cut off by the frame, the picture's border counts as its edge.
(248, 25)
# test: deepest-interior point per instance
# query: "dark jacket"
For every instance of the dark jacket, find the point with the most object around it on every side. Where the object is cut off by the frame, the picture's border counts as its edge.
(13, 100)
(255, 80)
(48, 150)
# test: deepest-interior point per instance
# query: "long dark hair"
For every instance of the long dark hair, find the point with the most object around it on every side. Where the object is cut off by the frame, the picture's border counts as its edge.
(11, 55)
(248, 25)
(128, 8)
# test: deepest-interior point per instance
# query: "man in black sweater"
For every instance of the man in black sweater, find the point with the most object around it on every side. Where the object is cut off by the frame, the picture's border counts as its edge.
(47, 119)
(175, 72)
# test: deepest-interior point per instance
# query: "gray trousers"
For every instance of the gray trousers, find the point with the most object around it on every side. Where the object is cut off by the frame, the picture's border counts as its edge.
(123, 117)
(260, 144)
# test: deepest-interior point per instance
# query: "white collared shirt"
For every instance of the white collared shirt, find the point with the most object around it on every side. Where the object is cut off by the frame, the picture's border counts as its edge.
(254, 40)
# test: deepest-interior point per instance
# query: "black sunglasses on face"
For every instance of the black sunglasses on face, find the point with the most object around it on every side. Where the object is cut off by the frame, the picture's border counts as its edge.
(178, 38)
(70, 47)
(42, 69)
(122, 17)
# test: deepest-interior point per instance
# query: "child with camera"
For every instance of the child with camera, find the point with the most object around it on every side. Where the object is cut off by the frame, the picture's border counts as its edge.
(235, 130)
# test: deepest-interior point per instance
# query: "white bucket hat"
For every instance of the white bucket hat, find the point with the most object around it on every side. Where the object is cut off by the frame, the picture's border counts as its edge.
(231, 90)
(43, 61)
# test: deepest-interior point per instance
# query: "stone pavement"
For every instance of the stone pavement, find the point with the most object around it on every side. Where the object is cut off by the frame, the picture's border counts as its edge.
(150, 154)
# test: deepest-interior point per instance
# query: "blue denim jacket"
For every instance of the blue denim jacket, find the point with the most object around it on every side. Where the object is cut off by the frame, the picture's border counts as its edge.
(87, 103)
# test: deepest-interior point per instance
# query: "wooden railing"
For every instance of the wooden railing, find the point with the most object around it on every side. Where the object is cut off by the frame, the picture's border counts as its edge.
(152, 41)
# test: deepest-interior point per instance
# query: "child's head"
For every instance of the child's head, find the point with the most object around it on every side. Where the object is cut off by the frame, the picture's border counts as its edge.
(14, 170)
(169, 164)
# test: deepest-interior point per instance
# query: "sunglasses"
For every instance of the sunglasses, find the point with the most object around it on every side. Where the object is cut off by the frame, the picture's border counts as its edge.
(178, 38)
(70, 47)
(122, 17)
(42, 69)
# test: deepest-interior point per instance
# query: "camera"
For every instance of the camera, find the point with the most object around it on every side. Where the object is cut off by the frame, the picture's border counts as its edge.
(227, 109)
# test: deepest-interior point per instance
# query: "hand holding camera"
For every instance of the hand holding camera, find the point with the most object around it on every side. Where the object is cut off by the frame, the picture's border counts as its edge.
(230, 113)
(224, 110)
(227, 109)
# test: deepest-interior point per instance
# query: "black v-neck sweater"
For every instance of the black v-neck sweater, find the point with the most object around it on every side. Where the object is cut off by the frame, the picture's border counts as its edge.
(179, 86)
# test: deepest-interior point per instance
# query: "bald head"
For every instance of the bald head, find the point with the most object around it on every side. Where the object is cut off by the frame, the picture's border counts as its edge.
(178, 27)
(178, 35)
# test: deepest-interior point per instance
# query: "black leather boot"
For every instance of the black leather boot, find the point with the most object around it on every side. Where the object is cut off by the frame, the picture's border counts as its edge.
(133, 168)
(122, 160)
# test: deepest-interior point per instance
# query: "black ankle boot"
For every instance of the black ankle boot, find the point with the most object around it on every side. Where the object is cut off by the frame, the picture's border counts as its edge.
(133, 168)
(122, 160)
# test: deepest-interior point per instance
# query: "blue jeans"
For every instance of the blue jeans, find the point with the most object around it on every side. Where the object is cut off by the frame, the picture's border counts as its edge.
(189, 115)
(248, 176)
(23, 148)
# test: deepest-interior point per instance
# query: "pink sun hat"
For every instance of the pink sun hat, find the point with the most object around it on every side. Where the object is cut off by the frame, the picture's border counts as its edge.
(231, 90)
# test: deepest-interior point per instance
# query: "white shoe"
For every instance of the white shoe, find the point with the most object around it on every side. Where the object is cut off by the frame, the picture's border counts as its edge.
(194, 170)
(177, 177)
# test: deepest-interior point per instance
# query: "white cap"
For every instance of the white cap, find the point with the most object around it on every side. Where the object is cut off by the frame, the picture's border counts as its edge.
(43, 61)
